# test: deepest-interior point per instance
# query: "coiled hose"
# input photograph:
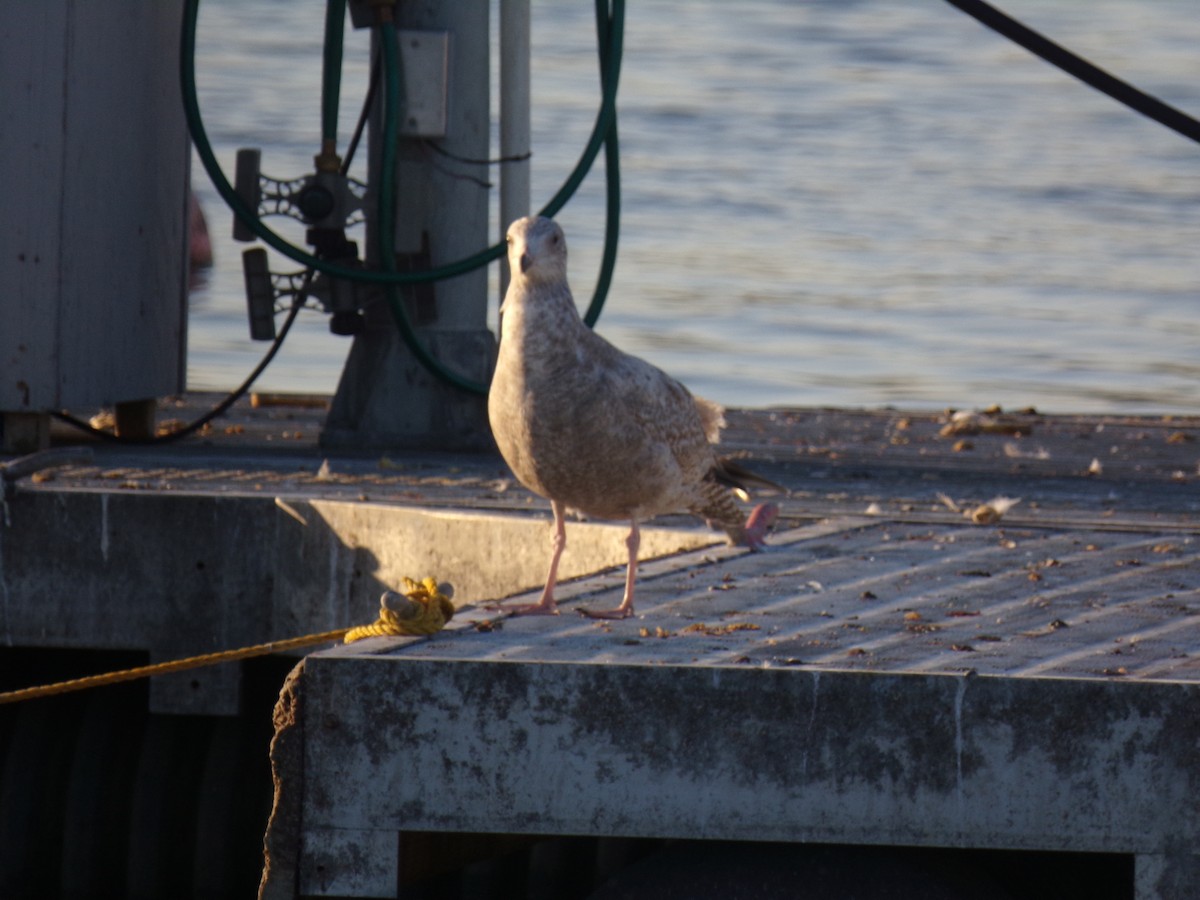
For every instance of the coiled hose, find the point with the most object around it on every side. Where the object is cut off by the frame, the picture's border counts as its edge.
(610, 28)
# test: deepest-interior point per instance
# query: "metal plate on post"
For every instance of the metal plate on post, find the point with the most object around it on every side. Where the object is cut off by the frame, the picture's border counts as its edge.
(424, 58)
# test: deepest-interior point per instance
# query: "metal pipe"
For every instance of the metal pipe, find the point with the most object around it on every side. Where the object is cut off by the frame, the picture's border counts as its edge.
(514, 119)
(331, 84)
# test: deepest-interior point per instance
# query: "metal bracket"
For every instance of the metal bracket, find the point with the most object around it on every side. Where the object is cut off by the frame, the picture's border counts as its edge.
(265, 288)
(425, 59)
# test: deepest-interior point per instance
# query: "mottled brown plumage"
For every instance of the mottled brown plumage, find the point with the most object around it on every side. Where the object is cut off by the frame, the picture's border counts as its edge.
(594, 429)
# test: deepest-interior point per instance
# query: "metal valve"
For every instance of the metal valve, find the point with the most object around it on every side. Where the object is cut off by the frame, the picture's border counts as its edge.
(325, 200)
(328, 203)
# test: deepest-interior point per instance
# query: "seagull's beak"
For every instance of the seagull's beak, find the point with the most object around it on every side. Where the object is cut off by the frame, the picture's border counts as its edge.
(525, 262)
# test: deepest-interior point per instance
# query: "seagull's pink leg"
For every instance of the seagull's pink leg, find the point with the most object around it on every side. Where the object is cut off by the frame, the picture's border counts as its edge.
(546, 606)
(559, 543)
(762, 517)
(625, 610)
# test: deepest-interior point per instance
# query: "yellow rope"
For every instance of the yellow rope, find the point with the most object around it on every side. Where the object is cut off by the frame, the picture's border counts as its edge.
(421, 610)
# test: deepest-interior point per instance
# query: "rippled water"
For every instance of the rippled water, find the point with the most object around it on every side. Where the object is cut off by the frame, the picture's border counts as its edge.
(842, 203)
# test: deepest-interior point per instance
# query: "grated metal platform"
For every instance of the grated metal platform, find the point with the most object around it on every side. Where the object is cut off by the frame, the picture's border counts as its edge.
(862, 594)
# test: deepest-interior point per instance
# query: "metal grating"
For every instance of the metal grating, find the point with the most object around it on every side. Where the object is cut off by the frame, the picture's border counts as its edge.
(864, 594)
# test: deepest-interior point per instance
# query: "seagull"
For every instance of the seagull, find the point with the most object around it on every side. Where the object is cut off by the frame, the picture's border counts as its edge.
(596, 430)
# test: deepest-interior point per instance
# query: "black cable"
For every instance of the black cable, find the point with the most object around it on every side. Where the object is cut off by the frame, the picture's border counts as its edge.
(298, 304)
(221, 407)
(436, 148)
(1085, 71)
(364, 114)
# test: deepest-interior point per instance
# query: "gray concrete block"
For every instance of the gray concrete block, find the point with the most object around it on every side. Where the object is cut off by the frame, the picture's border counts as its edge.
(764, 755)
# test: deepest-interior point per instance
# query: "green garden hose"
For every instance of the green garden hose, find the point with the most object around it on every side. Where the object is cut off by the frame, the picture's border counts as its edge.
(610, 33)
(331, 75)
(204, 150)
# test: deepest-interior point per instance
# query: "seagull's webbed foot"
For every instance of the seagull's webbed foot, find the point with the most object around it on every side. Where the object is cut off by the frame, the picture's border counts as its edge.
(625, 610)
(545, 606)
(620, 612)
(540, 608)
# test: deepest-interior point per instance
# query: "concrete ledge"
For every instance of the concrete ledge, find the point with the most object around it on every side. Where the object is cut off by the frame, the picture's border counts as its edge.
(178, 574)
(731, 753)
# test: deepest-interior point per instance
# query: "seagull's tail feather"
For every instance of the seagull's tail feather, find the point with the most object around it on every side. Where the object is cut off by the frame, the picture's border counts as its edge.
(734, 475)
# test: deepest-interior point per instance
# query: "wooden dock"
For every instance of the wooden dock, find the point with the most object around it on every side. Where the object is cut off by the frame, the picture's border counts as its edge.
(918, 661)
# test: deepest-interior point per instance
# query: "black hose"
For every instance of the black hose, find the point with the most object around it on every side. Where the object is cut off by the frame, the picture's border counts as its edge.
(220, 408)
(1085, 71)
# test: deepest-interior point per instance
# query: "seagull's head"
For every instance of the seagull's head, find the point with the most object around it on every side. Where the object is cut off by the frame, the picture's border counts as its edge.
(537, 249)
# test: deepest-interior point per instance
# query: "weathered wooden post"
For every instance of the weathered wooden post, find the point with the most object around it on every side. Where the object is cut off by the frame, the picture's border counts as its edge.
(93, 240)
